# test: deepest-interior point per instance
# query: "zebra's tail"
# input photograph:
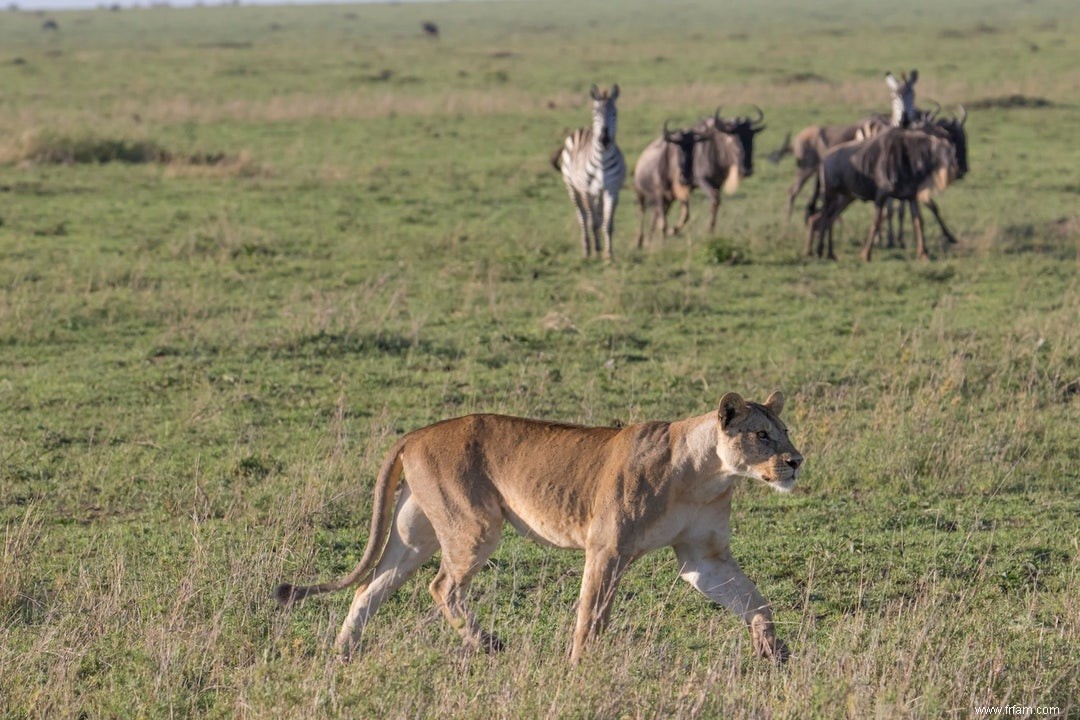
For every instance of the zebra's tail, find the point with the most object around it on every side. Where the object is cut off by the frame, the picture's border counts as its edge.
(556, 159)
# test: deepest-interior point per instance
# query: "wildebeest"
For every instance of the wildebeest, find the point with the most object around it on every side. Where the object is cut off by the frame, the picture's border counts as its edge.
(721, 160)
(430, 29)
(811, 143)
(665, 173)
(594, 169)
(951, 129)
(906, 165)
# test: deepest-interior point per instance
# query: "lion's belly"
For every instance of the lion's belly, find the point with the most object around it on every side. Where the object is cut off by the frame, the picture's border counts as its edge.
(546, 533)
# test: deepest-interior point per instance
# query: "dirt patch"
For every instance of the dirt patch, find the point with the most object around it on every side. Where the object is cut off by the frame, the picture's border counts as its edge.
(62, 150)
(1009, 102)
(804, 77)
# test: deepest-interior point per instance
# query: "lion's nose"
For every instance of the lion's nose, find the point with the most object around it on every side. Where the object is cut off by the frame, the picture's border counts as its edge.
(794, 461)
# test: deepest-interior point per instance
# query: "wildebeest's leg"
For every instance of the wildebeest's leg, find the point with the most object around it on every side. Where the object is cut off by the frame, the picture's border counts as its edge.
(879, 211)
(916, 223)
(714, 204)
(949, 237)
(660, 219)
(610, 201)
(584, 221)
(603, 567)
(641, 221)
(811, 223)
(716, 575)
(684, 215)
(900, 225)
(411, 543)
(801, 176)
(830, 211)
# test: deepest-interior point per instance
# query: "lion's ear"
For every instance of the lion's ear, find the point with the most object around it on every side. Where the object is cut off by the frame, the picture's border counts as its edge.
(775, 403)
(732, 407)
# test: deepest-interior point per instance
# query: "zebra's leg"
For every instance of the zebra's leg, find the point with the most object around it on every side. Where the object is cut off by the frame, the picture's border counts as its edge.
(583, 220)
(599, 223)
(611, 201)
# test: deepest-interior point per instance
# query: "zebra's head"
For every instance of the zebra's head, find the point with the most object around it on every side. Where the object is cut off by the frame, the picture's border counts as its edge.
(605, 117)
(903, 97)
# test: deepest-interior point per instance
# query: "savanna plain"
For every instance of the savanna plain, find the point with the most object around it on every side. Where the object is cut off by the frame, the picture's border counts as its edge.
(243, 249)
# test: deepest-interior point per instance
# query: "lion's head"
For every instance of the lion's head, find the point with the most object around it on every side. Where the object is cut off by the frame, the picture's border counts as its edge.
(754, 442)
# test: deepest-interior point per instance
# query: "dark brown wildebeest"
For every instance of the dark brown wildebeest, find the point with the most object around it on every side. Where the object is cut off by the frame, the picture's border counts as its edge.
(665, 173)
(726, 156)
(811, 143)
(906, 165)
(951, 129)
(430, 29)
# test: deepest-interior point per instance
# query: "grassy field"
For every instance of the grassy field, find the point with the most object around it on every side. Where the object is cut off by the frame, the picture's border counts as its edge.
(318, 229)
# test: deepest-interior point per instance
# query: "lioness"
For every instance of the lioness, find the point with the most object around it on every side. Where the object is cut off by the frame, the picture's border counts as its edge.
(616, 493)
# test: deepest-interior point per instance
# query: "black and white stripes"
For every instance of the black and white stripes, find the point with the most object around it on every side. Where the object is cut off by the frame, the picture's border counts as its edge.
(594, 169)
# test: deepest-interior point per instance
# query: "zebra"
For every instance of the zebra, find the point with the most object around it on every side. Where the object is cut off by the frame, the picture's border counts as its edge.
(903, 98)
(594, 169)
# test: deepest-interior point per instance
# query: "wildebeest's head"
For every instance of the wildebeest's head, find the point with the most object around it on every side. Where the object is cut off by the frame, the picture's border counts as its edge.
(605, 116)
(743, 129)
(683, 142)
(954, 131)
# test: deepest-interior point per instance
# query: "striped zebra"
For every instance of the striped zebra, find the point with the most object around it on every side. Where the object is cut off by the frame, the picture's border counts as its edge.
(593, 169)
(903, 98)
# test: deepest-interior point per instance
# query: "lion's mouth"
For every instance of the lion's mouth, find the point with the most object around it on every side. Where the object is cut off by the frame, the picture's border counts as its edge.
(782, 484)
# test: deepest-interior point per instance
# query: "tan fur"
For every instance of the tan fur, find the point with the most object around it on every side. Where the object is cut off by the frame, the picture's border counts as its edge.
(731, 182)
(616, 493)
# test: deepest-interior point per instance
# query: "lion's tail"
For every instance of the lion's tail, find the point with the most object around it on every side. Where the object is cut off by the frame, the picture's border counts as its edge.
(381, 517)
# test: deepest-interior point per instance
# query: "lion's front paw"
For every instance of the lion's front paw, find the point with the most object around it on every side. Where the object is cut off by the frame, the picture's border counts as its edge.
(774, 649)
(766, 644)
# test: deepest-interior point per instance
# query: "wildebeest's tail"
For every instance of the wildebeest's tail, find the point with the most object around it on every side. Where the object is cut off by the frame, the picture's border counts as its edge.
(381, 518)
(785, 149)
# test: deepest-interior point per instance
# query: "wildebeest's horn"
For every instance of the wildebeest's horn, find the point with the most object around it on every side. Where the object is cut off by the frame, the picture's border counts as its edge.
(760, 116)
(932, 115)
(667, 133)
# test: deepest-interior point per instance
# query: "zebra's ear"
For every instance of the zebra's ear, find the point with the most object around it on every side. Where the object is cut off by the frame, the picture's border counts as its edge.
(912, 77)
(594, 92)
(614, 91)
(892, 82)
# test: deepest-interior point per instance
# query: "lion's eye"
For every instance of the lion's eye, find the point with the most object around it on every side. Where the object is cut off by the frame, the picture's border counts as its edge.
(763, 434)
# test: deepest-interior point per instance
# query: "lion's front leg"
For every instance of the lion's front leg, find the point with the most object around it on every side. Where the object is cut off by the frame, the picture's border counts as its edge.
(603, 568)
(718, 576)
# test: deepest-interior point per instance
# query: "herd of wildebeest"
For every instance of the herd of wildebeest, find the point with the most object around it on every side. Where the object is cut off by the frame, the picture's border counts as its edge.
(897, 161)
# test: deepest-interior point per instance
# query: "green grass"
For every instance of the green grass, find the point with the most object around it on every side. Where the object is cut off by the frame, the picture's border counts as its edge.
(202, 364)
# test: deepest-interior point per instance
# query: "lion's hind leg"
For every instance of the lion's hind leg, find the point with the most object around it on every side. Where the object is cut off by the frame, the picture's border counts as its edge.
(459, 564)
(412, 542)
